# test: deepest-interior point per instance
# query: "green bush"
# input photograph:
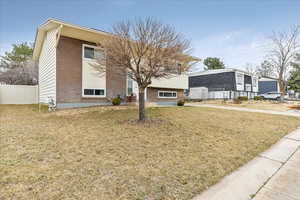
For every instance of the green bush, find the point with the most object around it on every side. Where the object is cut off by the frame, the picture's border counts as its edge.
(243, 98)
(116, 101)
(258, 98)
(180, 103)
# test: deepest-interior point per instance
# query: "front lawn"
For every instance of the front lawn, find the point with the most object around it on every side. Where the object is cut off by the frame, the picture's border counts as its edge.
(98, 153)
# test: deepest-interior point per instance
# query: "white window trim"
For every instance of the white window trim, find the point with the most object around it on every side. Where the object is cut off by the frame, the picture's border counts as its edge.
(90, 46)
(166, 97)
(127, 78)
(91, 60)
(93, 96)
(242, 78)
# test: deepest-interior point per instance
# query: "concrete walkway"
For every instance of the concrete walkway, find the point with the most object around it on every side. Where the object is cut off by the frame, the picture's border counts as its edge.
(287, 113)
(273, 175)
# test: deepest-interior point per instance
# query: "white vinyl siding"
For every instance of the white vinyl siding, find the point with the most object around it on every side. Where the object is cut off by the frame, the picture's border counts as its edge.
(175, 82)
(239, 81)
(47, 68)
(92, 80)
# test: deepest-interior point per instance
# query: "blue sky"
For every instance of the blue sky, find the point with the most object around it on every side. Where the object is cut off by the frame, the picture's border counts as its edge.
(235, 30)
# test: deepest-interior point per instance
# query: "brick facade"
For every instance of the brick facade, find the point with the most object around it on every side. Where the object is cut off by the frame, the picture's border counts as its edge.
(69, 74)
(152, 95)
(69, 77)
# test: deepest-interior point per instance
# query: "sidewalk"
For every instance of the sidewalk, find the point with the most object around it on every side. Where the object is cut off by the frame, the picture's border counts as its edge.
(273, 175)
(287, 113)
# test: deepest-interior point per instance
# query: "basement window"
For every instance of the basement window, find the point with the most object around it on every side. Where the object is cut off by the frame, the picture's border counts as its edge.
(167, 94)
(94, 92)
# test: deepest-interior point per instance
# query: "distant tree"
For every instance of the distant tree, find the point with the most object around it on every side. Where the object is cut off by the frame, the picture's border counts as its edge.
(284, 47)
(294, 79)
(251, 68)
(265, 69)
(16, 66)
(18, 56)
(146, 49)
(213, 63)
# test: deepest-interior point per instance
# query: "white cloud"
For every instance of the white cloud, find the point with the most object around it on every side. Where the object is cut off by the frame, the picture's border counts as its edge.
(235, 48)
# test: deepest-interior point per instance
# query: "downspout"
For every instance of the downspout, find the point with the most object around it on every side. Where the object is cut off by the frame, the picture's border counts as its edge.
(58, 35)
(56, 45)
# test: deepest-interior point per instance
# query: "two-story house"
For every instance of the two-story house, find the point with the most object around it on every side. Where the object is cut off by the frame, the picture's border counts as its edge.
(65, 54)
(222, 84)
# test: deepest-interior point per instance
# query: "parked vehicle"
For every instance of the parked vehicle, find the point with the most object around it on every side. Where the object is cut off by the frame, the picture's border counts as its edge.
(271, 95)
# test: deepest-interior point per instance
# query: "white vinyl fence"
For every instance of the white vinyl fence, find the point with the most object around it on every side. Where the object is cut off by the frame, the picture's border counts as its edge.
(18, 94)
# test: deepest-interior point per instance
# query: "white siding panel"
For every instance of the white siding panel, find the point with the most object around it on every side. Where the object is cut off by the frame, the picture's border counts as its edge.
(176, 82)
(47, 68)
(91, 79)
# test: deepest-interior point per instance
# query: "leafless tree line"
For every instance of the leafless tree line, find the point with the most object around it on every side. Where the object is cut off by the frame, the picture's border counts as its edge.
(22, 74)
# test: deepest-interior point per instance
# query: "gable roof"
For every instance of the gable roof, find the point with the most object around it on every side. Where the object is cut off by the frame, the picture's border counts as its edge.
(69, 30)
(73, 31)
(217, 71)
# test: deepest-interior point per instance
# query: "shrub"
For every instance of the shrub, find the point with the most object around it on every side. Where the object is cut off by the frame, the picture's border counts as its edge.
(116, 101)
(258, 98)
(243, 98)
(180, 103)
(237, 101)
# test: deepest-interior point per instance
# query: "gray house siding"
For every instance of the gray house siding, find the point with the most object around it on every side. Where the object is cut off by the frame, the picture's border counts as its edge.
(214, 82)
(267, 86)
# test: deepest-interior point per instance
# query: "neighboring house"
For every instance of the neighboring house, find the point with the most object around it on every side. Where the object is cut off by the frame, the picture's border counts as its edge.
(222, 84)
(268, 84)
(65, 53)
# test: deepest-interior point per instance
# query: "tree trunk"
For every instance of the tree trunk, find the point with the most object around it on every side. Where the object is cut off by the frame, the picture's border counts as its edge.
(142, 112)
(282, 90)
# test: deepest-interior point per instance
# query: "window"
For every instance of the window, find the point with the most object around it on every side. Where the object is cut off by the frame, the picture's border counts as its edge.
(254, 82)
(93, 92)
(88, 92)
(89, 52)
(167, 94)
(239, 79)
(93, 53)
(129, 86)
(99, 92)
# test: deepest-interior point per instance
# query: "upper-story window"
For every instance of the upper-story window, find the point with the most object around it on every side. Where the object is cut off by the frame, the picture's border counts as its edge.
(92, 52)
(89, 52)
(254, 82)
(239, 79)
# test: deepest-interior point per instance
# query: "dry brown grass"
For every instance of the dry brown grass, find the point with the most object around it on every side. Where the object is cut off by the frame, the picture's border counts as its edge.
(91, 153)
(263, 105)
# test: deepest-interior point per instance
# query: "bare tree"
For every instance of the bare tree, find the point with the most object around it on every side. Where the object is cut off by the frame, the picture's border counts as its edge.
(265, 69)
(283, 51)
(25, 74)
(146, 49)
(251, 68)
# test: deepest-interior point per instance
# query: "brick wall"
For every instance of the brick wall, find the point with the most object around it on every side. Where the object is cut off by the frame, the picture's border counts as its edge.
(152, 95)
(69, 74)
